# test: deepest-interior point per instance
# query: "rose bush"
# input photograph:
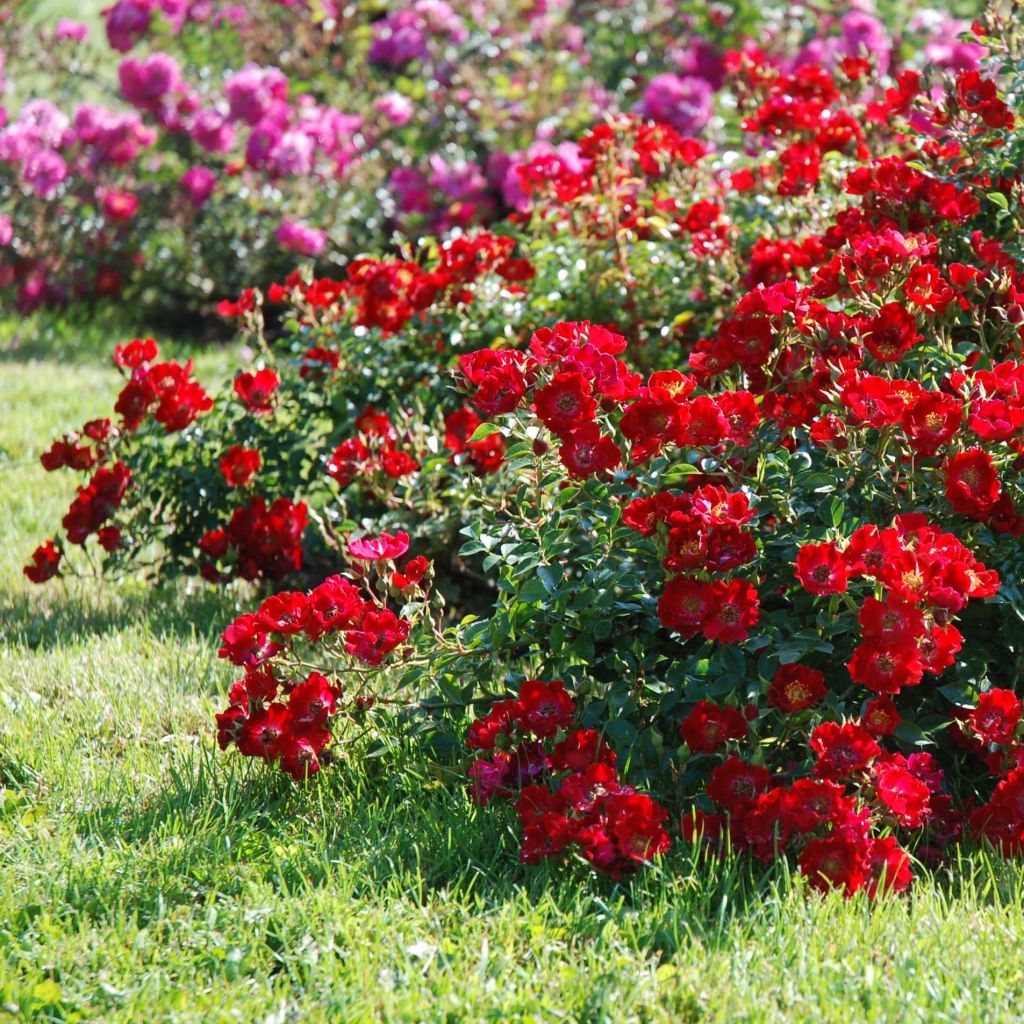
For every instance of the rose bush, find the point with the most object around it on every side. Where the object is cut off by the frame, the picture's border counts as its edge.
(207, 144)
(352, 395)
(736, 441)
(344, 419)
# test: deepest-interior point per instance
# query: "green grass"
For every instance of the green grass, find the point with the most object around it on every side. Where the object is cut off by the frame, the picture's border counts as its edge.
(145, 876)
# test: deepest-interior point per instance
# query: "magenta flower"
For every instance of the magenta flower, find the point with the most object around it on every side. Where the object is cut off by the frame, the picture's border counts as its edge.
(68, 29)
(198, 184)
(372, 549)
(301, 238)
(144, 84)
(682, 103)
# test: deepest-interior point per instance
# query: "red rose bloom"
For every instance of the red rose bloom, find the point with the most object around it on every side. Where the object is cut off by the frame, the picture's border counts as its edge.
(905, 796)
(821, 569)
(931, 421)
(635, 825)
(311, 703)
(239, 465)
(708, 726)
(685, 605)
(257, 389)
(135, 353)
(891, 334)
(835, 862)
(972, 484)
(997, 716)
(386, 546)
(895, 621)
(795, 687)
(283, 613)
(546, 707)
(565, 403)
(735, 784)
(886, 667)
(45, 562)
(735, 608)
(889, 867)
(843, 749)
(585, 452)
(347, 461)
(880, 716)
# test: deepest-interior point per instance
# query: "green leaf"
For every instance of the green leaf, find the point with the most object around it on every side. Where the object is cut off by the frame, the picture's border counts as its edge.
(550, 576)
(484, 430)
(732, 661)
(911, 734)
(619, 730)
(532, 591)
(678, 473)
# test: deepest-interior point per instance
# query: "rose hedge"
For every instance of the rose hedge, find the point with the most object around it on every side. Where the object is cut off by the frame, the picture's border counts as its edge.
(200, 146)
(754, 546)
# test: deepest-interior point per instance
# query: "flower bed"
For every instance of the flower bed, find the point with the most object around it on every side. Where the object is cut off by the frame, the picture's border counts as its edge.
(734, 448)
(201, 147)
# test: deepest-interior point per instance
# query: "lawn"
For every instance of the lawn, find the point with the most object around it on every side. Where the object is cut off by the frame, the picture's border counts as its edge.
(143, 875)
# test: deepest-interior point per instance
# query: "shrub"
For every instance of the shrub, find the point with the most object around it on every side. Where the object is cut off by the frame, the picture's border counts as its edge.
(754, 547)
(200, 146)
(345, 419)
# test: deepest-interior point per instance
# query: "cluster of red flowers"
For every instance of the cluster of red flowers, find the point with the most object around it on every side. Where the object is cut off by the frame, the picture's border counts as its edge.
(927, 578)
(240, 307)
(832, 371)
(977, 96)
(484, 455)
(164, 390)
(274, 714)
(832, 817)
(806, 109)
(96, 502)
(1001, 819)
(294, 732)
(832, 832)
(389, 293)
(259, 540)
(69, 451)
(374, 451)
(819, 364)
(572, 373)
(856, 369)
(624, 149)
(567, 791)
(464, 259)
(704, 529)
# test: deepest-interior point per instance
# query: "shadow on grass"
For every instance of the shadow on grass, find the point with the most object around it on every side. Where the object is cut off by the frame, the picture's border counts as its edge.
(43, 620)
(87, 334)
(224, 829)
